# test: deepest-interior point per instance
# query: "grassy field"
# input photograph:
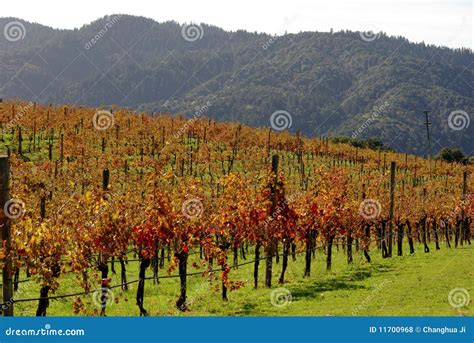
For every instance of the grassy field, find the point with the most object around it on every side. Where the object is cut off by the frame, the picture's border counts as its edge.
(415, 285)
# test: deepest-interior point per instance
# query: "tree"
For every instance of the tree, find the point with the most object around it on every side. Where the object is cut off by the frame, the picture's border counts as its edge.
(451, 155)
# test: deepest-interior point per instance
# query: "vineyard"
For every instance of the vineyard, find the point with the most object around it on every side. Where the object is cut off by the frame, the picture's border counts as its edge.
(106, 202)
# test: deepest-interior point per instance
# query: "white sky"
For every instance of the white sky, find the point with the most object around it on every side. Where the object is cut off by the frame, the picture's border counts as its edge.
(441, 22)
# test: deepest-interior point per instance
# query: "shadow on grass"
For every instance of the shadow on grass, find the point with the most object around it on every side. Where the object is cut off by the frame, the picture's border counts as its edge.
(248, 309)
(317, 287)
(343, 282)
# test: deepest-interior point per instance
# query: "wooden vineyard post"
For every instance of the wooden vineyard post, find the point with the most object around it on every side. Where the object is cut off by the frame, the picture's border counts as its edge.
(103, 260)
(50, 151)
(6, 235)
(20, 142)
(392, 204)
(464, 227)
(43, 207)
(268, 142)
(271, 240)
(34, 135)
(366, 232)
(61, 149)
(105, 179)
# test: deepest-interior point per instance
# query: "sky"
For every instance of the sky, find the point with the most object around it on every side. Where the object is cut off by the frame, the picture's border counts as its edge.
(441, 22)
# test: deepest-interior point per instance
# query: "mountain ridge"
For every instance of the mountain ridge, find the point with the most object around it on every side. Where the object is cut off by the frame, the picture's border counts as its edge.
(329, 82)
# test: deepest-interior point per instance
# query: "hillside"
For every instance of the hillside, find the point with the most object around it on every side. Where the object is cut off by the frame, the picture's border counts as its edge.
(330, 83)
(252, 222)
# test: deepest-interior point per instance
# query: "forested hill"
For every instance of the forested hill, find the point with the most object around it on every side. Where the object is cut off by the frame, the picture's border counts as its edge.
(338, 83)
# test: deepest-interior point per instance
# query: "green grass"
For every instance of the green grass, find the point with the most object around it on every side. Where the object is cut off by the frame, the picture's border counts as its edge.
(415, 285)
